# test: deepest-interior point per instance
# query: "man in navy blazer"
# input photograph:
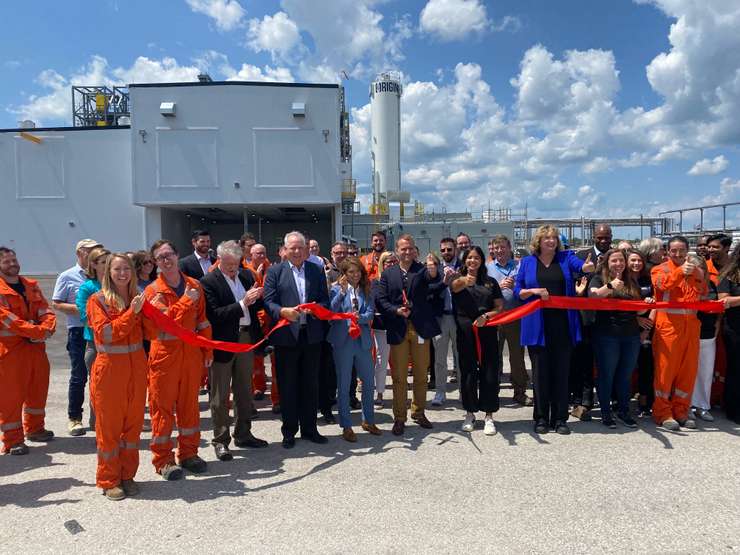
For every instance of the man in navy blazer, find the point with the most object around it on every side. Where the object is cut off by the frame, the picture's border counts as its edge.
(410, 326)
(297, 346)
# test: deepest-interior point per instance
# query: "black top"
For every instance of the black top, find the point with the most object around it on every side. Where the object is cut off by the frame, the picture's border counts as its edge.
(708, 320)
(732, 315)
(179, 289)
(19, 288)
(555, 320)
(378, 323)
(474, 300)
(614, 322)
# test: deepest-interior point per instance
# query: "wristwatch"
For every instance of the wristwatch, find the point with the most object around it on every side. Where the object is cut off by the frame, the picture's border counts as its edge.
(609, 285)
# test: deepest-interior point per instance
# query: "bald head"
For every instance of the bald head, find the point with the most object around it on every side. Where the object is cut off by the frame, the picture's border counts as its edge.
(603, 237)
(258, 254)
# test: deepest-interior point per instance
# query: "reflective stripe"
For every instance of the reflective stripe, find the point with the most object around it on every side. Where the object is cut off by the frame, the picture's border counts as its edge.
(9, 319)
(43, 312)
(158, 440)
(678, 311)
(681, 394)
(118, 349)
(124, 445)
(38, 412)
(6, 333)
(662, 394)
(203, 325)
(10, 426)
(166, 337)
(188, 431)
(108, 333)
(107, 455)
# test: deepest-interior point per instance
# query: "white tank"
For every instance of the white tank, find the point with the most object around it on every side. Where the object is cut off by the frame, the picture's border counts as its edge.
(385, 131)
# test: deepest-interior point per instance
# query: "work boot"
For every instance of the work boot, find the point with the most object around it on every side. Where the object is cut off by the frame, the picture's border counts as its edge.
(195, 464)
(130, 487)
(170, 472)
(76, 428)
(670, 424)
(41, 435)
(17, 449)
(115, 493)
(688, 423)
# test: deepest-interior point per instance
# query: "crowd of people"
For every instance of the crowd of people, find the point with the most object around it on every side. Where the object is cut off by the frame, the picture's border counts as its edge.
(409, 311)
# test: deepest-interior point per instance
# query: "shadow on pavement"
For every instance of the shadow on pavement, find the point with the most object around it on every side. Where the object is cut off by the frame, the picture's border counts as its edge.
(29, 495)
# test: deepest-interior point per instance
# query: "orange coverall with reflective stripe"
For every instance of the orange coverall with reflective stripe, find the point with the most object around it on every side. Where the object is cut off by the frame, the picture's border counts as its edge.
(371, 266)
(24, 366)
(675, 341)
(117, 389)
(259, 377)
(175, 370)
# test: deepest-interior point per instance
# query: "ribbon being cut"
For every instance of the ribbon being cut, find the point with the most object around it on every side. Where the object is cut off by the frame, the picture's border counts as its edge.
(168, 325)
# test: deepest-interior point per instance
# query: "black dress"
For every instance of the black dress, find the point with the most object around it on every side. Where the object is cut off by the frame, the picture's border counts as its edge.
(479, 389)
(732, 346)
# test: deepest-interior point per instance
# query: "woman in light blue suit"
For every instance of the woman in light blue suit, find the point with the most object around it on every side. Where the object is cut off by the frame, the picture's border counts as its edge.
(351, 293)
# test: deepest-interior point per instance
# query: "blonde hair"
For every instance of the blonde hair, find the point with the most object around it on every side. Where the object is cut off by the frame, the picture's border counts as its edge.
(383, 257)
(542, 232)
(92, 259)
(112, 298)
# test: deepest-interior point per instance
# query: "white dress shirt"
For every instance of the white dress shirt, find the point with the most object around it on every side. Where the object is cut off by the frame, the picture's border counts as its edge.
(299, 276)
(205, 262)
(238, 290)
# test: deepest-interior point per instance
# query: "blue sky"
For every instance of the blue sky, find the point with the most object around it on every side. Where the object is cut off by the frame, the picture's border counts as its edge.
(572, 107)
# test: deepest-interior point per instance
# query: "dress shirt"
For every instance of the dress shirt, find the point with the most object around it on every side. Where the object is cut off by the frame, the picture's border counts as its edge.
(205, 262)
(500, 272)
(299, 276)
(448, 293)
(238, 290)
(65, 291)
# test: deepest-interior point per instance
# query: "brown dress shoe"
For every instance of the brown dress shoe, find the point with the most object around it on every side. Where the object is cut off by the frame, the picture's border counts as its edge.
(423, 421)
(398, 427)
(581, 413)
(349, 435)
(371, 428)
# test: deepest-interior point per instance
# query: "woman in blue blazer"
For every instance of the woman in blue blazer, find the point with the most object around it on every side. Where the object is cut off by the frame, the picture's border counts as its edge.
(550, 334)
(351, 293)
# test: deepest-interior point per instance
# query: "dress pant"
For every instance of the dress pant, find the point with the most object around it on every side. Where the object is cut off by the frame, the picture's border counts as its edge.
(551, 365)
(510, 334)
(236, 376)
(700, 398)
(327, 379)
(382, 353)
(732, 379)
(645, 374)
(479, 382)
(348, 357)
(419, 354)
(298, 380)
(442, 343)
(581, 379)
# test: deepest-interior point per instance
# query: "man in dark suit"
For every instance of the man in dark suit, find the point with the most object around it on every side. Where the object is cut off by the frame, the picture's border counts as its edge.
(581, 379)
(196, 265)
(410, 327)
(232, 302)
(297, 346)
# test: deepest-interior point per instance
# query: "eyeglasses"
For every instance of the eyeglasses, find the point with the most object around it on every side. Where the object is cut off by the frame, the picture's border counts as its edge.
(446, 249)
(165, 256)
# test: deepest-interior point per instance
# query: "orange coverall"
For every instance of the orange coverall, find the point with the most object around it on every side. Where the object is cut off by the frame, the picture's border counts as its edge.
(175, 369)
(259, 378)
(117, 389)
(24, 366)
(371, 266)
(675, 341)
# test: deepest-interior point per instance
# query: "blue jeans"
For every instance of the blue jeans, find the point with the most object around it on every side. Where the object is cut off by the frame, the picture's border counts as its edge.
(78, 373)
(616, 358)
(345, 357)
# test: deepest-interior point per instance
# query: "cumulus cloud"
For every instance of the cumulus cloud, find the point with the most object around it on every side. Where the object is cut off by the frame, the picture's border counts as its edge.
(277, 34)
(709, 167)
(226, 14)
(450, 20)
(555, 191)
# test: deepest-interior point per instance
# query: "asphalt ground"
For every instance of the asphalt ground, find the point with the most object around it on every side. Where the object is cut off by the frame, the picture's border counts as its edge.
(441, 490)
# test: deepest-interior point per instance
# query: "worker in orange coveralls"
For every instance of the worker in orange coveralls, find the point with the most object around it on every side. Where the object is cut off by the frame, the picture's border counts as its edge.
(26, 322)
(676, 337)
(175, 368)
(370, 260)
(118, 376)
(258, 265)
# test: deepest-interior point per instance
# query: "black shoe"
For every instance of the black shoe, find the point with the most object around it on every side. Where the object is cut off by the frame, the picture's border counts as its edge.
(562, 428)
(288, 442)
(431, 386)
(222, 452)
(540, 427)
(315, 437)
(609, 422)
(255, 413)
(195, 464)
(354, 403)
(328, 417)
(254, 442)
(627, 420)
(259, 395)
(276, 408)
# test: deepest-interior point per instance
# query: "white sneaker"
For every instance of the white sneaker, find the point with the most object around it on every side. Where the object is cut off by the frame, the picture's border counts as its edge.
(489, 428)
(439, 399)
(469, 422)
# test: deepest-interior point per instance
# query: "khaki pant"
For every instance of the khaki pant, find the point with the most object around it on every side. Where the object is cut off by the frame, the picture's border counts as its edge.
(509, 333)
(419, 355)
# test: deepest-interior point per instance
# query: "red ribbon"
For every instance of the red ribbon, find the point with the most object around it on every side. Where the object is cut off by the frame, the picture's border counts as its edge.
(168, 325)
(590, 303)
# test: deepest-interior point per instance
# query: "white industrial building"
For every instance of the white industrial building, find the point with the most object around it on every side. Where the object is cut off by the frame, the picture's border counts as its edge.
(224, 156)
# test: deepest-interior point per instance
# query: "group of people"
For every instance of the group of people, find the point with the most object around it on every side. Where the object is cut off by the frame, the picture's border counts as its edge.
(410, 312)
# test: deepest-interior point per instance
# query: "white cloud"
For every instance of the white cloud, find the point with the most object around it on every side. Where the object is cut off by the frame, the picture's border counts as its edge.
(709, 167)
(249, 72)
(277, 34)
(226, 14)
(450, 20)
(555, 191)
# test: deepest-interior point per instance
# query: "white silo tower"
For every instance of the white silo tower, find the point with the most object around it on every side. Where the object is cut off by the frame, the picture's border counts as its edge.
(385, 143)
